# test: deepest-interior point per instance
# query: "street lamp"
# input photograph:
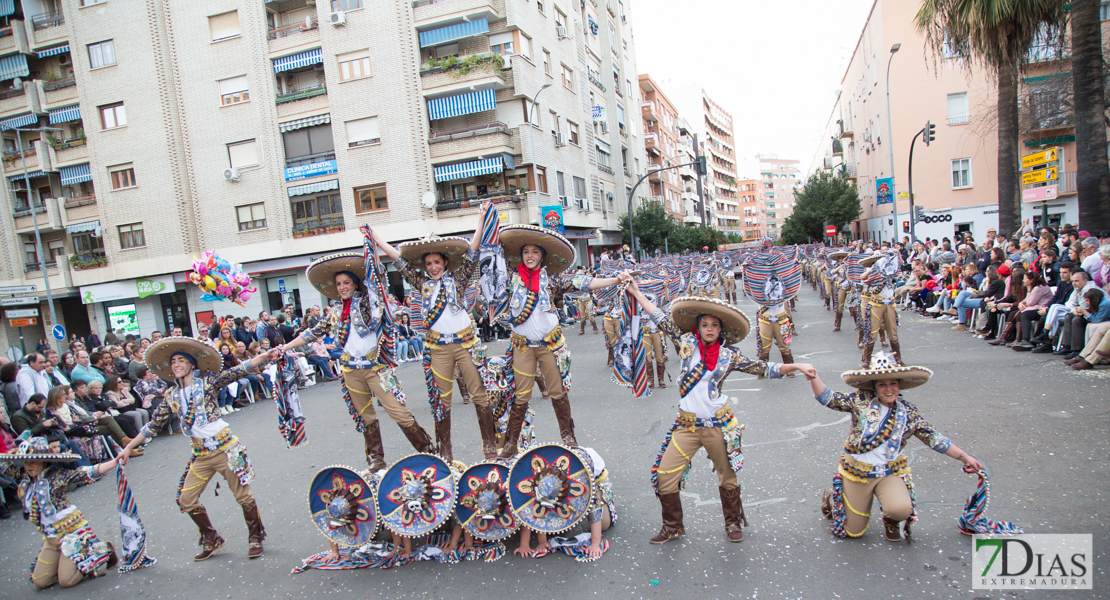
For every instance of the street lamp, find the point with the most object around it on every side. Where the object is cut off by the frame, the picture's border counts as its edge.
(890, 138)
(531, 135)
(35, 221)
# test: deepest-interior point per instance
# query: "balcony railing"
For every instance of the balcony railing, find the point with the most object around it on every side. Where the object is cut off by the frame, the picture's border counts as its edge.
(309, 159)
(320, 227)
(293, 29)
(29, 267)
(48, 20)
(6, 94)
(959, 119)
(88, 260)
(496, 197)
(58, 84)
(596, 79)
(301, 94)
(72, 142)
(495, 127)
(80, 201)
(22, 210)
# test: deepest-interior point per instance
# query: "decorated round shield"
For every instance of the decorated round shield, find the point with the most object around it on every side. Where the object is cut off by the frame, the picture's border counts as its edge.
(771, 279)
(342, 506)
(416, 495)
(483, 502)
(549, 489)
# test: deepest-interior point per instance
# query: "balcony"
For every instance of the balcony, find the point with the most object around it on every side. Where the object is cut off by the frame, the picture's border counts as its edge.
(496, 197)
(848, 170)
(13, 163)
(647, 109)
(69, 150)
(57, 90)
(846, 133)
(476, 71)
(92, 260)
(47, 28)
(48, 20)
(959, 119)
(431, 14)
(320, 227)
(7, 39)
(471, 141)
(650, 140)
(46, 214)
(37, 267)
(595, 78)
(80, 208)
(281, 39)
(305, 93)
(307, 25)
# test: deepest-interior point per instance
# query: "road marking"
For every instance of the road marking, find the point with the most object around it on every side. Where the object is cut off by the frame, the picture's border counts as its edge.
(813, 353)
(696, 499)
(800, 432)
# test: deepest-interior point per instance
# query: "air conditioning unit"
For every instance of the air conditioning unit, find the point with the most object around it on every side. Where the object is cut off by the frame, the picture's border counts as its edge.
(338, 18)
(565, 201)
(231, 174)
(561, 31)
(604, 127)
(584, 205)
(560, 140)
(63, 59)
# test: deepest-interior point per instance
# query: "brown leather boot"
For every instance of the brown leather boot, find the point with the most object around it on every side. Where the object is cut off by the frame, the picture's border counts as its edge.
(443, 438)
(836, 321)
(733, 508)
(650, 376)
(257, 532)
(566, 423)
(594, 323)
(609, 363)
(488, 432)
(896, 349)
(375, 451)
(512, 436)
(788, 358)
(542, 385)
(826, 504)
(463, 392)
(865, 361)
(210, 541)
(113, 558)
(890, 530)
(672, 519)
(419, 439)
(582, 331)
(662, 368)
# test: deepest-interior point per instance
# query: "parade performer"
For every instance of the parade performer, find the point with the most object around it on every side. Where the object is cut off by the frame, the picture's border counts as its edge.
(540, 258)
(363, 327)
(194, 367)
(703, 327)
(771, 280)
(839, 279)
(878, 281)
(70, 550)
(585, 311)
(874, 462)
(451, 339)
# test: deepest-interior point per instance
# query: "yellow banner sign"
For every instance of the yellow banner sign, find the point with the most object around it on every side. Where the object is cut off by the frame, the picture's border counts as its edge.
(1048, 174)
(1040, 158)
(903, 195)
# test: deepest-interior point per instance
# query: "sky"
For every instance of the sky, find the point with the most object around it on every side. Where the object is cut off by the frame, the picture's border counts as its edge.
(775, 66)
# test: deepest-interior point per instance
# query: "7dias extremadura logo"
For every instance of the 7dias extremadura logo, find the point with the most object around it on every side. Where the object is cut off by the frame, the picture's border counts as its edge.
(1037, 562)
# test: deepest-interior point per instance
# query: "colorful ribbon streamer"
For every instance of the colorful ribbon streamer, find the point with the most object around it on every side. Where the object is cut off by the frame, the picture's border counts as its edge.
(133, 552)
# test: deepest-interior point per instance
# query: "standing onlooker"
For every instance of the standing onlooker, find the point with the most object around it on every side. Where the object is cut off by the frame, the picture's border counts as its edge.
(155, 336)
(242, 331)
(284, 328)
(31, 379)
(136, 362)
(9, 388)
(260, 327)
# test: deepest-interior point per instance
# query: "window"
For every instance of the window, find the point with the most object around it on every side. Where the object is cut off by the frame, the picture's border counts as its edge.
(525, 46)
(1104, 11)
(102, 54)
(502, 43)
(354, 65)
(541, 178)
(224, 26)
(338, 5)
(603, 156)
(573, 132)
(961, 173)
(251, 216)
(243, 154)
(233, 90)
(32, 257)
(362, 132)
(131, 236)
(446, 50)
(371, 198)
(958, 112)
(554, 124)
(560, 18)
(547, 62)
(620, 117)
(517, 179)
(532, 114)
(568, 78)
(317, 208)
(559, 181)
(123, 176)
(539, 6)
(56, 249)
(92, 2)
(579, 187)
(113, 116)
(308, 143)
(86, 243)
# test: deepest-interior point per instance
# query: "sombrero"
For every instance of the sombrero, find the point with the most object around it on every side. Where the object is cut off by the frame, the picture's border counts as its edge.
(483, 507)
(884, 366)
(550, 489)
(159, 353)
(342, 506)
(454, 248)
(875, 256)
(838, 255)
(416, 495)
(559, 255)
(322, 271)
(37, 448)
(685, 311)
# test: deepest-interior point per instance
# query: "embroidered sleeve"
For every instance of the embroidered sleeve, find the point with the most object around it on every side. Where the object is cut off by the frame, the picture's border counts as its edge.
(82, 475)
(318, 330)
(232, 375)
(567, 283)
(836, 400)
(739, 362)
(666, 325)
(161, 416)
(925, 432)
(463, 273)
(414, 276)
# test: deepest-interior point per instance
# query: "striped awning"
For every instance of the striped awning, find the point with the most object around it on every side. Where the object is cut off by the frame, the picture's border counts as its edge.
(7, 7)
(83, 227)
(31, 175)
(76, 174)
(301, 59)
(312, 188)
(19, 121)
(53, 51)
(603, 146)
(435, 37)
(462, 104)
(468, 169)
(305, 122)
(13, 66)
(65, 114)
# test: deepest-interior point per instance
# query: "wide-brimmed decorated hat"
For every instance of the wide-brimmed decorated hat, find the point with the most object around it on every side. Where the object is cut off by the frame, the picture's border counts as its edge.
(875, 256)
(884, 366)
(37, 448)
(483, 507)
(685, 311)
(550, 488)
(559, 255)
(322, 271)
(837, 255)
(159, 353)
(452, 247)
(342, 505)
(416, 495)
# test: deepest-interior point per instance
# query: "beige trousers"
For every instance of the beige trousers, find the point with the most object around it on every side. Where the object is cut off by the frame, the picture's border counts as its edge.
(891, 492)
(680, 452)
(653, 343)
(611, 331)
(884, 316)
(54, 567)
(1100, 340)
(444, 361)
(364, 385)
(201, 472)
(769, 331)
(525, 362)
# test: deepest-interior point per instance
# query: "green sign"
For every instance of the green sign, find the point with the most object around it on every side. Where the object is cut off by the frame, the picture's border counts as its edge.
(147, 287)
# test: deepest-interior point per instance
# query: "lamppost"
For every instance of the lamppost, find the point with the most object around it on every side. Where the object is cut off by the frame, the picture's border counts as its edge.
(890, 138)
(35, 221)
(531, 135)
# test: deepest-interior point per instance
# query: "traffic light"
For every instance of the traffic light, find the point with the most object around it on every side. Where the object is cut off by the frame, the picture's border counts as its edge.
(905, 226)
(918, 214)
(700, 166)
(930, 133)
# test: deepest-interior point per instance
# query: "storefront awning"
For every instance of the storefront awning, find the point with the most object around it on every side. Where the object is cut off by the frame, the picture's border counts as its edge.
(19, 121)
(296, 61)
(65, 114)
(13, 66)
(312, 188)
(83, 227)
(435, 37)
(76, 174)
(305, 122)
(53, 51)
(462, 104)
(468, 169)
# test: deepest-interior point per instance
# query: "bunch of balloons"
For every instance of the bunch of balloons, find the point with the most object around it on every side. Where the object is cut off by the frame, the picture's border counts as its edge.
(221, 280)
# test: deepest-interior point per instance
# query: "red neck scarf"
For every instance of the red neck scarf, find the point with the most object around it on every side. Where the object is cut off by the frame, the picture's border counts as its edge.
(709, 354)
(346, 309)
(531, 278)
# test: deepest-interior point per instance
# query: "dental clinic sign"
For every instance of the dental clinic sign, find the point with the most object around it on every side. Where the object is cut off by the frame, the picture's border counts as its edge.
(1032, 562)
(128, 288)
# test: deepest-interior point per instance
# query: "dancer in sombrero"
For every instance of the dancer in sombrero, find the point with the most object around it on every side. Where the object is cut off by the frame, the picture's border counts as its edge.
(702, 327)
(878, 282)
(874, 463)
(541, 258)
(361, 327)
(836, 274)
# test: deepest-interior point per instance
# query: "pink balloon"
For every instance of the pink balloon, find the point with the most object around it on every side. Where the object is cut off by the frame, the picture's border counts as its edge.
(243, 297)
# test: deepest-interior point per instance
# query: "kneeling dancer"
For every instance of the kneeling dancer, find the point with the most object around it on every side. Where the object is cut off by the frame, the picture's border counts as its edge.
(701, 327)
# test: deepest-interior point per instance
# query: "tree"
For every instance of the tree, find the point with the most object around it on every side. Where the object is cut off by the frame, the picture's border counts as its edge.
(997, 35)
(651, 224)
(825, 198)
(1089, 98)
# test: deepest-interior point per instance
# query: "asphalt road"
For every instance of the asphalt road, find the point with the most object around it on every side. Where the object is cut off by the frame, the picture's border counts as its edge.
(1040, 428)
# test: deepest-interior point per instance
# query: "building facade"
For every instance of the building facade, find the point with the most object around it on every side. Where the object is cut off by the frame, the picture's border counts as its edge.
(662, 141)
(778, 178)
(751, 210)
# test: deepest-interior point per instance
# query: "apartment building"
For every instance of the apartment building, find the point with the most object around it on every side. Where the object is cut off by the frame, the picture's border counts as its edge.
(713, 128)
(778, 178)
(751, 210)
(270, 130)
(662, 141)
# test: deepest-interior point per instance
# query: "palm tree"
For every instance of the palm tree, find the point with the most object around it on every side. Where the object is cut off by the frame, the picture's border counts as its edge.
(1093, 179)
(996, 35)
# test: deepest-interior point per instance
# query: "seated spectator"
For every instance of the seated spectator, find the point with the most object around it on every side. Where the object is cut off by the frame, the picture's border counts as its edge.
(1053, 316)
(1037, 300)
(9, 388)
(33, 417)
(118, 393)
(1075, 322)
(1097, 350)
(77, 427)
(991, 287)
(1091, 261)
(151, 392)
(1094, 309)
(85, 369)
(1006, 307)
(66, 364)
(226, 403)
(83, 406)
(257, 381)
(413, 343)
(31, 379)
(319, 358)
(95, 395)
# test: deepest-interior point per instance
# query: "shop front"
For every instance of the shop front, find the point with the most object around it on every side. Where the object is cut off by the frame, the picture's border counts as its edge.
(128, 307)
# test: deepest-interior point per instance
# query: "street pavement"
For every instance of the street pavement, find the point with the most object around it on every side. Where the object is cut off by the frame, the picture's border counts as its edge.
(1039, 427)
